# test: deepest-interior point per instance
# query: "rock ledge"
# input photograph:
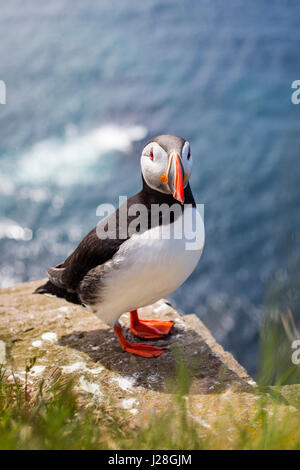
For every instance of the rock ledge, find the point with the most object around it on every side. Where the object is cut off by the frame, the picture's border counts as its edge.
(68, 338)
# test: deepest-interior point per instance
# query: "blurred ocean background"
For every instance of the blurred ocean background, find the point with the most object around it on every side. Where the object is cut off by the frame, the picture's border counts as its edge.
(89, 82)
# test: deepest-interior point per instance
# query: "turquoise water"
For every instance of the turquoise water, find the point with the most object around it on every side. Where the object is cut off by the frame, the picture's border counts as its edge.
(89, 82)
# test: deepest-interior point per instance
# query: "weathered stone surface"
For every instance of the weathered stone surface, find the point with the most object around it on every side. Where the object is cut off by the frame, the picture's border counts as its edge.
(291, 393)
(67, 338)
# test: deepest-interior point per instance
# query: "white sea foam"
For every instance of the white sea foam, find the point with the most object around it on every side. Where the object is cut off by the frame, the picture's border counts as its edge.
(11, 229)
(66, 160)
(7, 187)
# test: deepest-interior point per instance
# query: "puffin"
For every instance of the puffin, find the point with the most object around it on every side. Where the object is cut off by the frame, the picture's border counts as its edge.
(127, 269)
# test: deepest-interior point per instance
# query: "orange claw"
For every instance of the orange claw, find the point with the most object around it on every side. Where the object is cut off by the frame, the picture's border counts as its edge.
(149, 329)
(140, 349)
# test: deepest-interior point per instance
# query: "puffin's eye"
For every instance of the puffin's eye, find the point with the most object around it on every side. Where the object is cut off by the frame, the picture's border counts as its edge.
(151, 155)
(186, 151)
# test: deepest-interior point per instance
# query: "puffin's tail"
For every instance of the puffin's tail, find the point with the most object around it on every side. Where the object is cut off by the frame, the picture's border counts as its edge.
(50, 288)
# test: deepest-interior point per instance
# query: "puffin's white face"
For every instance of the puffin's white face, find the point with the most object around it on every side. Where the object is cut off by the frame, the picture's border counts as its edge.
(166, 164)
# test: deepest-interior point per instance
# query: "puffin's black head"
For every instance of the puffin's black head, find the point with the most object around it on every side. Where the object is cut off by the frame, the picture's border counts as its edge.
(166, 163)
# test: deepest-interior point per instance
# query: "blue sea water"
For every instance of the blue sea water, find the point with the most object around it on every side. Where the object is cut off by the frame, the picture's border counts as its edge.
(89, 82)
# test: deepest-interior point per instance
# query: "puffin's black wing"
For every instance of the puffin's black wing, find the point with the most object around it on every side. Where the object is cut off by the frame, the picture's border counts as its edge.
(49, 288)
(92, 251)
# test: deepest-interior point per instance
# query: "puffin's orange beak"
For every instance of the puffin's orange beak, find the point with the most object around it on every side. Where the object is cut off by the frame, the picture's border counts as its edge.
(178, 177)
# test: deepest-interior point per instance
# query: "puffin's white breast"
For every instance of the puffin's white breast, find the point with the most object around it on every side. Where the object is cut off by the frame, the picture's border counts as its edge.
(150, 265)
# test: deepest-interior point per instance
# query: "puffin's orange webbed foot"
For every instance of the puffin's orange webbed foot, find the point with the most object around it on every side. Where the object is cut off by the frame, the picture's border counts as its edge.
(149, 329)
(140, 349)
(143, 349)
